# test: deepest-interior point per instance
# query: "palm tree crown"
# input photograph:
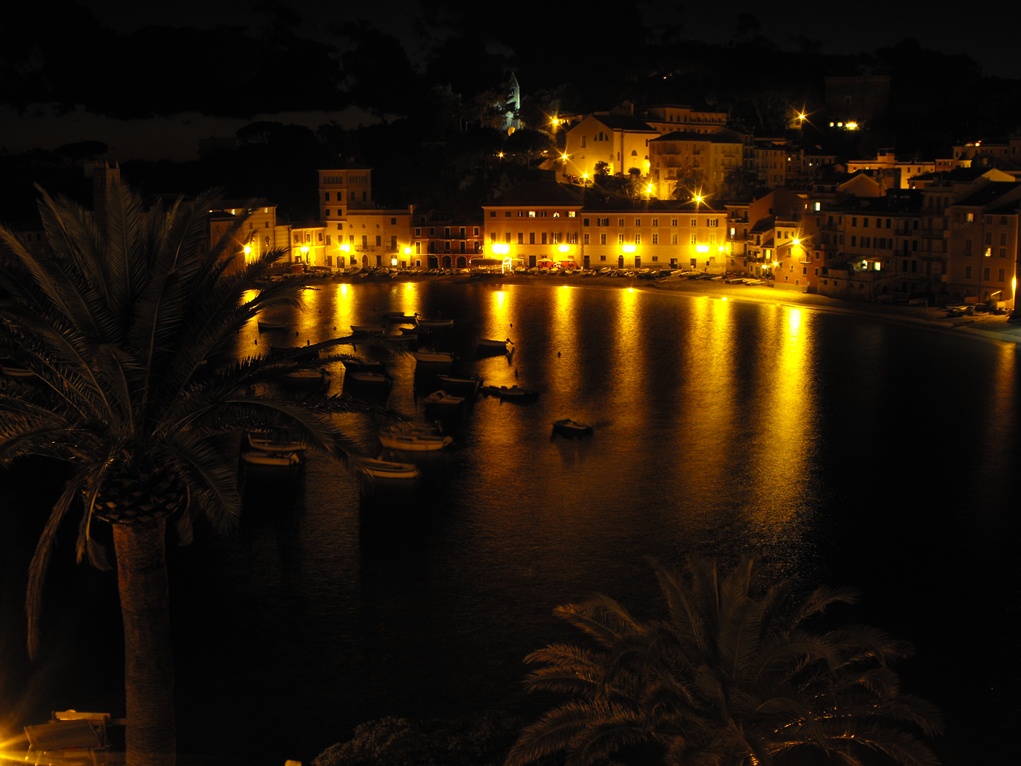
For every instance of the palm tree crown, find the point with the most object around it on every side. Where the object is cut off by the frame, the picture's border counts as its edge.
(117, 318)
(733, 676)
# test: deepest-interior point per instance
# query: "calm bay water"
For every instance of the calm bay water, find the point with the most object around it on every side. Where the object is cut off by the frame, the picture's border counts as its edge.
(839, 450)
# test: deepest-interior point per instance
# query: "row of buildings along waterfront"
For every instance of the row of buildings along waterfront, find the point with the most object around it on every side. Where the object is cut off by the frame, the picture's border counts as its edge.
(950, 235)
(877, 229)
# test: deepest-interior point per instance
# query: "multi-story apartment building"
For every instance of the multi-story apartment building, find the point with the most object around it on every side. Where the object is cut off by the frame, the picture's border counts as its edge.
(445, 241)
(892, 172)
(356, 232)
(982, 243)
(672, 118)
(698, 161)
(1005, 155)
(546, 224)
(767, 158)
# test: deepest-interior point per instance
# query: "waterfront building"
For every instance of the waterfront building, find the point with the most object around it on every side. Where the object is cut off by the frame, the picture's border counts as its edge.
(696, 162)
(610, 143)
(892, 172)
(356, 232)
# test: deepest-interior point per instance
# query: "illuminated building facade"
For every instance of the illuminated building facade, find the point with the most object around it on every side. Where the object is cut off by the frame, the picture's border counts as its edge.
(355, 231)
(445, 241)
(698, 162)
(616, 143)
(544, 224)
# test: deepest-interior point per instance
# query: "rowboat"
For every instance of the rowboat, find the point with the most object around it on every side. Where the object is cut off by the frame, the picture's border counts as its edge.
(368, 329)
(493, 346)
(361, 365)
(467, 386)
(294, 352)
(305, 380)
(571, 428)
(511, 393)
(442, 399)
(433, 357)
(386, 469)
(367, 377)
(431, 323)
(260, 442)
(399, 317)
(267, 326)
(413, 439)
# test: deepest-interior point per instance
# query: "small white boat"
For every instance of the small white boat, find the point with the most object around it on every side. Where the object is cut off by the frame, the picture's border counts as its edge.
(259, 459)
(305, 380)
(386, 469)
(399, 317)
(413, 439)
(443, 399)
(368, 377)
(461, 385)
(259, 442)
(571, 428)
(493, 346)
(423, 322)
(511, 393)
(268, 326)
(433, 357)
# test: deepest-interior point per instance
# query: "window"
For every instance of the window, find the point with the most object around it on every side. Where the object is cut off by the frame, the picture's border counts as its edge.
(655, 222)
(673, 239)
(620, 239)
(713, 222)
(602, 239)
(638, 222)
(673, 221)
(584, 221)
(531, 214)
(694, 222)
(521, 238)
(572, 213)
(531, 237)
(638, 239)
(620, 222)
(584, 239)
(655, 239)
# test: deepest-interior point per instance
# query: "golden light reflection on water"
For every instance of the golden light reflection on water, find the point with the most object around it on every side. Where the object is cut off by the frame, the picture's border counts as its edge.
(564, 340)
(786, 416)
(1000, 415)
(709, 379)
(497, 321)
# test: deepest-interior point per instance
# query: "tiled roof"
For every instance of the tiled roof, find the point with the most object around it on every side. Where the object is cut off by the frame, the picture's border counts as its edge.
(624, 122)
(539, 193)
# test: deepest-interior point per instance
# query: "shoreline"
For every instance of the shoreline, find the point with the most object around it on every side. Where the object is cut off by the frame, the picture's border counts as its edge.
(992, 327)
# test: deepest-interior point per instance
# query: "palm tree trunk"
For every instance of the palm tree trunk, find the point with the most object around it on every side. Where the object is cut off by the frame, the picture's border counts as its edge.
(140, 548)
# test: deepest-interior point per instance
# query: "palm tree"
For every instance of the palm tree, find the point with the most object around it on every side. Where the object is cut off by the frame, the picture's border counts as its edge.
(735, 675)
(118, 318)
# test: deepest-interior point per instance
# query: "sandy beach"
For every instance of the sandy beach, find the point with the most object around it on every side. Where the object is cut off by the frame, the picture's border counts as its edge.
(992, 327)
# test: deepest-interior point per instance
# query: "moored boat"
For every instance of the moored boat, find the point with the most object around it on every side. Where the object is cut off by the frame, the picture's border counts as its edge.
(368, 329)
(266, 325)
(493, 346)
(431, 323)
(264, 442)
(433, 357)
(511, 393)
(409, 438)
(442, 399)
(305, 379)
(386, 469)
(571, 428)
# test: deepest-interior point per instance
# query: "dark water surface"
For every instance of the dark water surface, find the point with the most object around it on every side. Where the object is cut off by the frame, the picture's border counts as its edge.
(837, 449)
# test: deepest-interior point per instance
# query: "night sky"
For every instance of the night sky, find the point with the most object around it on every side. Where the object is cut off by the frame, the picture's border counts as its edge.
(107, 53)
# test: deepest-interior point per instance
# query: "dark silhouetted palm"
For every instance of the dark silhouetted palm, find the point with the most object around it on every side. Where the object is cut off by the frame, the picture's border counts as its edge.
(118, 317)
(733, 676)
